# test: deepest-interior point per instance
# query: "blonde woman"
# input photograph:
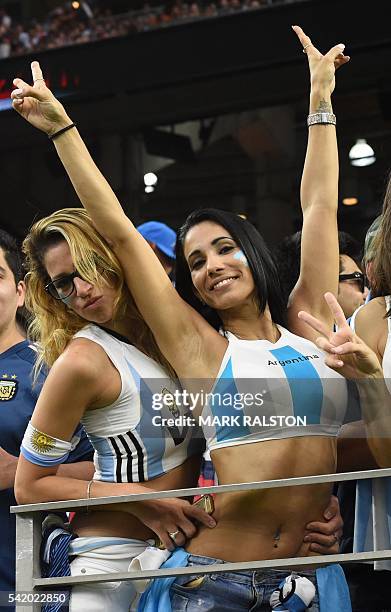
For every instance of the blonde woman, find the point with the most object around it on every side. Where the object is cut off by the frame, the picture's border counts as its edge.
(104, 367)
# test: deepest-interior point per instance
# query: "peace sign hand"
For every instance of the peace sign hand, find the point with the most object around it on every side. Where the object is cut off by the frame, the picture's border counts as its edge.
(322, 67)
(37, 104)
(345, 351)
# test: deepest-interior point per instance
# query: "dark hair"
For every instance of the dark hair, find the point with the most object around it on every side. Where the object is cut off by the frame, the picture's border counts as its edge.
(259, 259)
(13, 257)
(288, 253)
(381, 269)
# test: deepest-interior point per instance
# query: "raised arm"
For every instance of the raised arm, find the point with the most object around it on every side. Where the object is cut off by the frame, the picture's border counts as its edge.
(180, 332)
(319, 266)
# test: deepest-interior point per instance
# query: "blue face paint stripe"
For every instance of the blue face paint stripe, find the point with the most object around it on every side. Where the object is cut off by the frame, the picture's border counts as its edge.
(240, 256)
(226, 386)
(305, 384)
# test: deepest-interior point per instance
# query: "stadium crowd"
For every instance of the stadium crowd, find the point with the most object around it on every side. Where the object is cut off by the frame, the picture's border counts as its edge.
(67, 25)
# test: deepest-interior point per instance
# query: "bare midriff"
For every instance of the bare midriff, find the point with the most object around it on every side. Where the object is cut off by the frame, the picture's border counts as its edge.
(126, 525)
(269, 523)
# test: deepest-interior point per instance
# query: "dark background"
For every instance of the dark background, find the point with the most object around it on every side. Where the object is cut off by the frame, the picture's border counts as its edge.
(217, 107)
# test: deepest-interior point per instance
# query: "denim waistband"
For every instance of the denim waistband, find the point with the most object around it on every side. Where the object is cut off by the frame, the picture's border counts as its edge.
(250, 576)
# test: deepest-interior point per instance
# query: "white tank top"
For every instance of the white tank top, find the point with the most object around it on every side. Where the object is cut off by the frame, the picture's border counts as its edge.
(267, 391)
(129, 444)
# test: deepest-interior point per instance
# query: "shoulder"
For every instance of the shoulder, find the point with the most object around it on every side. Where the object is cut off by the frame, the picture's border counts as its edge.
(372, 312)
(83, 359)
(24, 352)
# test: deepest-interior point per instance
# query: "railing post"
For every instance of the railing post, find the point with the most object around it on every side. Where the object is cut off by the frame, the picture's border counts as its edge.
(28, 542)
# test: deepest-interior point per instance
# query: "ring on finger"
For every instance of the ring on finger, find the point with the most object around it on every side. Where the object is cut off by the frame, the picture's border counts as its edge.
(173, 535)
(306, 47)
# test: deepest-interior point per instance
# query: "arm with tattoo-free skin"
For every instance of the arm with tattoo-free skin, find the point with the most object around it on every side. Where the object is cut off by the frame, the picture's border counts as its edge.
(182, 334)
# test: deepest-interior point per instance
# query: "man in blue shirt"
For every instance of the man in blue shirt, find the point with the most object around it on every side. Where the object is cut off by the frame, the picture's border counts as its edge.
(18, 396)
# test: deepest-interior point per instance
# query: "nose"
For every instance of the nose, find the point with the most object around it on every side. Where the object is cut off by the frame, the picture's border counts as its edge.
(214, 264)
(82, 287)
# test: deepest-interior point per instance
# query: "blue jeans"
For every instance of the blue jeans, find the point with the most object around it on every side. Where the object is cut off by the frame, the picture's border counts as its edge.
(230, 591)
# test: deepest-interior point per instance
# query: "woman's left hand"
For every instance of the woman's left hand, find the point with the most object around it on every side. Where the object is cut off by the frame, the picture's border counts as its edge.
(322, 67)
(345, 351)
(325, 535)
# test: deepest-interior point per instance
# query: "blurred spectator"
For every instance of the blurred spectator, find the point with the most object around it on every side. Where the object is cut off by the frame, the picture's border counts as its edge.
(161, 239)
(351, 293)
(5, 19)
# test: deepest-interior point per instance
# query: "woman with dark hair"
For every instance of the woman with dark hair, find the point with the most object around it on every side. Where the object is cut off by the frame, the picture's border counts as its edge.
(257, 254)
(225, 267)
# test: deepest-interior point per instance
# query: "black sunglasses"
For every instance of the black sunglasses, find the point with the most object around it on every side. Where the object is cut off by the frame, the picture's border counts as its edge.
(61, 288)
(358, 277)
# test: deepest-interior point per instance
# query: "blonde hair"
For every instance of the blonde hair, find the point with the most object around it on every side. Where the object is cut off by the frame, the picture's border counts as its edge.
(381, 266)
(53, 324)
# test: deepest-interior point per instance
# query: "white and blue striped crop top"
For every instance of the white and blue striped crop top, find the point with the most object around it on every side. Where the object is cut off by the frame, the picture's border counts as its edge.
(268, 391)
(129, 445)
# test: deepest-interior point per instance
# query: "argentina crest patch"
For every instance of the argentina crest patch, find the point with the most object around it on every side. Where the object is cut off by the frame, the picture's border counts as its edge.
(8, 388)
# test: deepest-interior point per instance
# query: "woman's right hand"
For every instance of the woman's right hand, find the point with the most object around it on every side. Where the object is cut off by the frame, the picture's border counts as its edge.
(38, 105)
(165, 516)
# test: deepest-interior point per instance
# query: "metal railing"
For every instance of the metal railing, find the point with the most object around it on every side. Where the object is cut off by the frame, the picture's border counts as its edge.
(29, 520)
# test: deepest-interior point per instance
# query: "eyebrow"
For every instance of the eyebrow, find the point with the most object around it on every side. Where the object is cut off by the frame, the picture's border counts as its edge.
(215, 241)
(63, 275)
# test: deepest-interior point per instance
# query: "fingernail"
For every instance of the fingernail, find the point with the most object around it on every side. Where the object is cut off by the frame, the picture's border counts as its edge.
(307, 539)
(212, 523)
(18, 91)
(341, 46)
(328, 514)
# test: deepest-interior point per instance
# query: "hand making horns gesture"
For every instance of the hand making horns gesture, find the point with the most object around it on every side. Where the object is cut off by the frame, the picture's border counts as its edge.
(345, 351)
(322, 67)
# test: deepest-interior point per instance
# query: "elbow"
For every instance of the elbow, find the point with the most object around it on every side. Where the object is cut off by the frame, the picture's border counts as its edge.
(383, 460)
(381, 451)
(22, 494)
(25, 492)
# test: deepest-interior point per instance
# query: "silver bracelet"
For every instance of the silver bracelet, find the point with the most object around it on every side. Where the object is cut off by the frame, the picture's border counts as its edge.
(322, 118)
(89, 485)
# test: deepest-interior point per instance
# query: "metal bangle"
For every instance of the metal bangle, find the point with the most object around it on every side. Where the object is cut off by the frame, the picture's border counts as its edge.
(321, 118)
(89, 485)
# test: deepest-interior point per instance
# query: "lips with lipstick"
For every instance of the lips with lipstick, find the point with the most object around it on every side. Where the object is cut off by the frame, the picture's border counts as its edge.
(92, 302)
